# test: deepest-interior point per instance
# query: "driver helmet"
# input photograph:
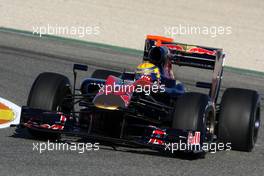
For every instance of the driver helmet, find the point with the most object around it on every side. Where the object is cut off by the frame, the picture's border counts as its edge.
(148, 71)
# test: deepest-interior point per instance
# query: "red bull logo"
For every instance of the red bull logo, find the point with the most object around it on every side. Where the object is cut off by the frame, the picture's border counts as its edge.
(194, 139)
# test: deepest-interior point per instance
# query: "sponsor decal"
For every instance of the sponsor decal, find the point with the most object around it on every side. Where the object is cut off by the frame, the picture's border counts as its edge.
(156, 141)
(59, 125)
(194, 139)
(157, 137)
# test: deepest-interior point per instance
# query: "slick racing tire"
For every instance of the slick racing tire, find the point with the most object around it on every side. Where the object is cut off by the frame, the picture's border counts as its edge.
(103, 74)
(239, 118)
(193, 111)
(48, 93)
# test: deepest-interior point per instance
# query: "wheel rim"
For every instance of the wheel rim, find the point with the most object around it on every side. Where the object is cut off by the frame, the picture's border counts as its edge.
(210, 123)
(256, 125)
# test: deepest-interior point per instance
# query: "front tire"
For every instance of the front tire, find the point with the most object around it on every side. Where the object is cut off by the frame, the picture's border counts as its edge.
(48, 93)
(193, 111)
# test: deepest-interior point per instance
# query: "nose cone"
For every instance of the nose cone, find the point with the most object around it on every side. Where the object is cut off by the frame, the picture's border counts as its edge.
(114, 95)
(110, 102)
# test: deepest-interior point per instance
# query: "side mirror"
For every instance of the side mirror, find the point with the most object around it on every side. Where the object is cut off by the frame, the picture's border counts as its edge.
(128, 76)
(205, 85)
(80, 67)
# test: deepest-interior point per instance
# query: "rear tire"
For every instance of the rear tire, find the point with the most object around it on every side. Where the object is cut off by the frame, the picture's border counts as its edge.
(48, 93)
(239, 118)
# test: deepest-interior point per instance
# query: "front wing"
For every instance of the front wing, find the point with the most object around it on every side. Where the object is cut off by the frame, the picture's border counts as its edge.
(162, 139)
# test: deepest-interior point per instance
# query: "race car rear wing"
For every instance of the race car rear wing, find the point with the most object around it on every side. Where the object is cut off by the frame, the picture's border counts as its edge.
(184, 54)
(192, 56)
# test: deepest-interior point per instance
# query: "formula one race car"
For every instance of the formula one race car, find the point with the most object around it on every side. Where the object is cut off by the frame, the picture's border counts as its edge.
(148, 107)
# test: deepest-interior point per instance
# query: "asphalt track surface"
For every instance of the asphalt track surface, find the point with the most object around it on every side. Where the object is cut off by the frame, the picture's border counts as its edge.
(23, 57)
